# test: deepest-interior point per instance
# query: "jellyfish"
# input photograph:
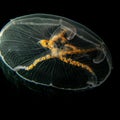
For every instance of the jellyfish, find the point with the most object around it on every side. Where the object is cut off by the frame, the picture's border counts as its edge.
(53, 51)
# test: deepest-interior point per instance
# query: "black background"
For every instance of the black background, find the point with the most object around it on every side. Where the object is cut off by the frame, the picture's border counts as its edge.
(100, 17)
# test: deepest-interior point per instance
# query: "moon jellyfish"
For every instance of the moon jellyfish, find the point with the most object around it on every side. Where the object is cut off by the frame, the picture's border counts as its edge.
(53, 51)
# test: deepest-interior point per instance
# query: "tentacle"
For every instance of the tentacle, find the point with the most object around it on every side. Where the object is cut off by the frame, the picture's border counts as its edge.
(30, 67)
(71, 49)
(50, 43)
(92, 81)
(46, 57)
(76, 63)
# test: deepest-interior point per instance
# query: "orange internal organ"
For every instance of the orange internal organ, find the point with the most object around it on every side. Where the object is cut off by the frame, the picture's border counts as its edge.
(60, 53)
